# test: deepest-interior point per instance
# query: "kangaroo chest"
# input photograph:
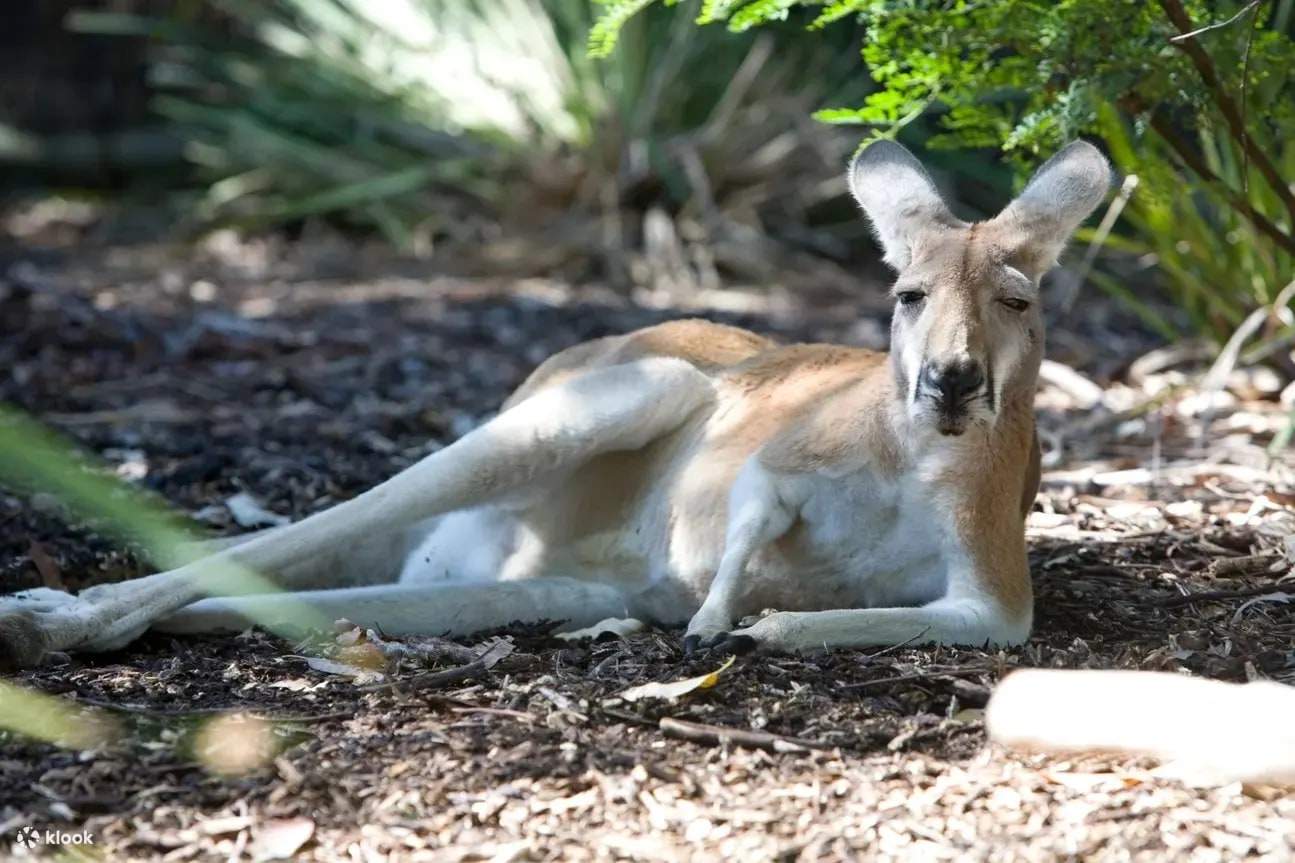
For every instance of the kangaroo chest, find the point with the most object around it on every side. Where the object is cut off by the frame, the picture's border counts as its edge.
(859, 541)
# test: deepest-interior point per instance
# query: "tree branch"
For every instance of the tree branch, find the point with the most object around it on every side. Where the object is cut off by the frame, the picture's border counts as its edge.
(1216, 26)
(1236, 124)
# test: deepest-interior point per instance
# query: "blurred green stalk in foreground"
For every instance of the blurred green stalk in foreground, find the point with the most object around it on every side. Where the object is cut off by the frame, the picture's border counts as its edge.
(33, 459)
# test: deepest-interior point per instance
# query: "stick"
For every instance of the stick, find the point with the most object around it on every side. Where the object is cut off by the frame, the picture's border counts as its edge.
(434, 680)
(1216, 26)
(718, 735)
(254, 711)
(437, 679)
(1215, 595)
(920, 675)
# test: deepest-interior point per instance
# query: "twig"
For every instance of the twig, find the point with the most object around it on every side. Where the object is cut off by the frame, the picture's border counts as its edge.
(626, 716)
(1245, 565)
(557, 699)
(920, 675)
(1216, 595)
(436, 679)
(868, 658)
(718, 735)
(1245, 89)
(1117, 205)
(249, 711)
(1218, 26)
(497, 711)
(1231, 353)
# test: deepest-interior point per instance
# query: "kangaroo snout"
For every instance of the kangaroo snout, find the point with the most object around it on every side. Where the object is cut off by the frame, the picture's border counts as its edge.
(952, 387)
(952, 383)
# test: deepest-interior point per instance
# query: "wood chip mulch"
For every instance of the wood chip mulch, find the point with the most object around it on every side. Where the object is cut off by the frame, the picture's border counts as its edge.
(302, 392)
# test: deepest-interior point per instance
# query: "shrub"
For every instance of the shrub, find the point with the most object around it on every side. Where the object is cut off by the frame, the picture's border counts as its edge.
(1196, 98)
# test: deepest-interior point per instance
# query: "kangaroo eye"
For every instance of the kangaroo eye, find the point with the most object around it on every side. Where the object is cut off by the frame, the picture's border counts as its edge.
(910, 298)
(1015, 304)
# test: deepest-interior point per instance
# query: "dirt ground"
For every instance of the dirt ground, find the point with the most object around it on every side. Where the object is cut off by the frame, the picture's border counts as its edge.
(301, 375)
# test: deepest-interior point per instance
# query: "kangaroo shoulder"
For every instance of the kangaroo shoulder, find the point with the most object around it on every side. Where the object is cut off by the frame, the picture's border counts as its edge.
(707, 346)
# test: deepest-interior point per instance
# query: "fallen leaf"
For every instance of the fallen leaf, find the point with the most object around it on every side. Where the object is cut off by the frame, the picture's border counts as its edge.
(1087, 782)
(248, 513)
(357, 675)
(351, 637)
(676, 688)
(494, 651)
(363, 655)
(50, 574)
(296, 684)
(281, 839)
(1277, 596)
(223, 826)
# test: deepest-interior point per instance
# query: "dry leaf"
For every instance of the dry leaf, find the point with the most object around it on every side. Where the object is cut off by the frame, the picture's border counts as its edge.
(223, 826)
(676, 688)
(50, 574)
(248, 513)
(352, 636)
(357, 674)
(1088, 782)
(281, 839)
(1277, 596)
(296, 684)
(363, 655)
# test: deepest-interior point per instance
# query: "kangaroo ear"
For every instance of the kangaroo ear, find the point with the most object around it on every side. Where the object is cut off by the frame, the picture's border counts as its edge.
(899, 198)
(1057, 199)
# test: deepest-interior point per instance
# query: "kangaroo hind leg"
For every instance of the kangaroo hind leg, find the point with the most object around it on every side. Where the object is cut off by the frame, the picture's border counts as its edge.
(439, 609)
(554, 431)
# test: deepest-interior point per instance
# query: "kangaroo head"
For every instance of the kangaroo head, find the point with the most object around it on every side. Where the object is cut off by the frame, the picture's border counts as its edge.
(967, 332)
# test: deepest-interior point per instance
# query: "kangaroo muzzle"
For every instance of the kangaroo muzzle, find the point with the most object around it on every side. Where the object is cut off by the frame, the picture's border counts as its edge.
(953, 387)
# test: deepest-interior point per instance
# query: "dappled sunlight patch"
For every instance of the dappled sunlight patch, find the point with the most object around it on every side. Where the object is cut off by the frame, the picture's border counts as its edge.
(237, 743)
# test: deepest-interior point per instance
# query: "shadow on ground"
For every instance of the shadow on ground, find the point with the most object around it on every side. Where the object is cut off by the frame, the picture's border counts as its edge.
(304, 394)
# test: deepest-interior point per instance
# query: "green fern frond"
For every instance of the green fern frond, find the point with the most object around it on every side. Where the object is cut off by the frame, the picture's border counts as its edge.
(716, 10)
(759, 12)
(607, 29)
(837, 10)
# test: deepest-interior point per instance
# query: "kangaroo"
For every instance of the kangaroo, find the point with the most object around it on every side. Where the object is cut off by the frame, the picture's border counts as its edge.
(694, 472)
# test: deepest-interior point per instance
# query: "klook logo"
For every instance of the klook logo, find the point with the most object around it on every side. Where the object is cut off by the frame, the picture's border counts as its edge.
(30, 837)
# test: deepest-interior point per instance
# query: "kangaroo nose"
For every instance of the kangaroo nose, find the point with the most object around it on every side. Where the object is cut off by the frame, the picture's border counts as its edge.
(954, 381)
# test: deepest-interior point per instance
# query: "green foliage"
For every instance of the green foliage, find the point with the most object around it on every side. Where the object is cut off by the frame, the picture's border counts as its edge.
(1025, 73)
(1219, 263)
(399, 117)
(1024, 76)
(607, 29)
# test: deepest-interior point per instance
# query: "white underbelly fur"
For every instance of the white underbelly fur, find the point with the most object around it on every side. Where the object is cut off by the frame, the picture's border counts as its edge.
(862, 543)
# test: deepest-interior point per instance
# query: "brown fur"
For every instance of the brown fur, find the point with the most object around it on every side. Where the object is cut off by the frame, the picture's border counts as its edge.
(812, 407)
(628, 449)
(707, 346)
